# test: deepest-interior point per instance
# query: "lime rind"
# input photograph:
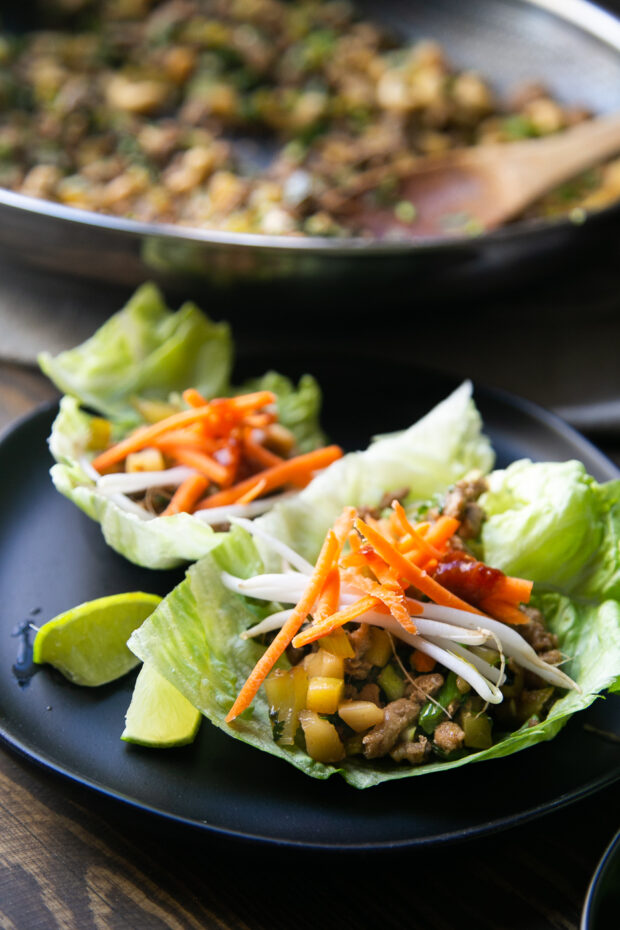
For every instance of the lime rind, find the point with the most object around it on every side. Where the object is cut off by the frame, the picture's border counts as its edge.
(88, 643)
(159, 716)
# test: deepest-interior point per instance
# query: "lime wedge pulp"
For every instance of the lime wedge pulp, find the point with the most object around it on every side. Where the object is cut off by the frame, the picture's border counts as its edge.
(159, 715)
(88, 643)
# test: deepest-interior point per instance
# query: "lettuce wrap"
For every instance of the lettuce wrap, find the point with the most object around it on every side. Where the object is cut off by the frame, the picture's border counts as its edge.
(146, 352)
(193, 637)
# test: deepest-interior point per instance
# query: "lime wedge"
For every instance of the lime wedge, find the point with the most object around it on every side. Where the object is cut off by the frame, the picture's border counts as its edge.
(159, 715)
(88, 643)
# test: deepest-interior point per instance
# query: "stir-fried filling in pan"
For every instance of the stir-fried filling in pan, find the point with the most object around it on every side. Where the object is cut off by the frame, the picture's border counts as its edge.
(155, 110)
(401, 642)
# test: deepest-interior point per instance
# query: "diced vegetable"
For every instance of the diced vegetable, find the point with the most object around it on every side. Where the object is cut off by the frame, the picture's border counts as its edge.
(433, 711)
(392, 682)
(286, 692)
(361, 715)
(380, 649)
(324, 664)
(322, 740)
(145, 460)
(478, 730)
(324, 694)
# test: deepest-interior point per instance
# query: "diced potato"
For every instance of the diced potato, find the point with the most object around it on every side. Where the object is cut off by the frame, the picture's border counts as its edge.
(360, 715)
(380, 650)
(145, 460)
(324, 664)
(286, 691)
(322, 740)
(324, 694)
(100, 433)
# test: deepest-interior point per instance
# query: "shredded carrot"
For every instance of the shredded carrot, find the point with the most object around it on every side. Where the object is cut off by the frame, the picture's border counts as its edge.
(502, 610)
(392, 596)
(513, 590)
(346, 615)
(186, 495)
(422, 662)
(177, 438)
(145, 435)
(422, 543)
(441, 531)
(325, 562)
(329, 597)
(202, 462)
(414, 575)
(294, 471)
(257, 452)
(194, 398)
(252, 494)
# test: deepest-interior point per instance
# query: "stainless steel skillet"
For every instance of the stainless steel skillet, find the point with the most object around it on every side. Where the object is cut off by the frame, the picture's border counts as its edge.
(572, 46)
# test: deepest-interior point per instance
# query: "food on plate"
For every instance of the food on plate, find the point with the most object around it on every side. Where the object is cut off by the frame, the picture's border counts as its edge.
(88, 643)
(151, 111)
(411, 610)
(159, 716)
(154, 442)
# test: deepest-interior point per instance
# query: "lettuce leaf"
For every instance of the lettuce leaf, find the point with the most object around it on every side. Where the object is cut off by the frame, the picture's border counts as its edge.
(149, 351)
(144, 350)
(426, 459)
(551, 522)
(192, 639)
(569, 522)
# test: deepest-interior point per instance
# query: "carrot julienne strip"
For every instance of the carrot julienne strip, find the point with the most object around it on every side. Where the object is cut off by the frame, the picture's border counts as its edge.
(144, 436)
(329, 597)
(392, 597)
(412, 573)
(292, 470)
(420, 541)
(325, 561)
(186, 495)
(504, 611)
(252, 494)
(346, 615)
(258, 453)
(194, 398)
(202, 462)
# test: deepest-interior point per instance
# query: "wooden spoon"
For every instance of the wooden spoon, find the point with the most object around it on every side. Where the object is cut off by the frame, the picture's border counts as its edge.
(480, 188)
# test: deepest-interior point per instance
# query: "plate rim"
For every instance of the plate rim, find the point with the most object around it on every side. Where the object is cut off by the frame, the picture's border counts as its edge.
(31, 753)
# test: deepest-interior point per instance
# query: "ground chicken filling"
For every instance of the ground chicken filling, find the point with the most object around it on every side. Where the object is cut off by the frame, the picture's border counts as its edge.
(156, 111)
(361, 691)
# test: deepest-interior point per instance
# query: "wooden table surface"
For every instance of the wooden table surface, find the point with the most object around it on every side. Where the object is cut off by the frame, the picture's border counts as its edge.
(70, 858)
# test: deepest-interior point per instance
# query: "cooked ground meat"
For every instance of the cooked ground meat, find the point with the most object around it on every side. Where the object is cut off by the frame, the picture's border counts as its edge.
(413, 751)
(448, 736)
(460, 503)
(370, 692)
(356, 667)
(384, 503)
(424, 685)
(398, 715)
(534, 632)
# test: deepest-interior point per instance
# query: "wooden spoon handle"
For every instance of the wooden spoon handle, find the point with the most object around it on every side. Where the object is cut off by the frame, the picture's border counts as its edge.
(538, 166)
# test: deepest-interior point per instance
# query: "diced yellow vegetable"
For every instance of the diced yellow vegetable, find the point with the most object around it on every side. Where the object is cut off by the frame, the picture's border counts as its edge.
(324, 694)
(145, 460)
(322, 740)
(286, 692)
(100, 433)
(339, 644)
(154, 410)
(361, 715)
(324, 664)
(380, 650)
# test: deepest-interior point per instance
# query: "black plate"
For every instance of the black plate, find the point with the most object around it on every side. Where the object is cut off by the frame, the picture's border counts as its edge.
(54, 557)
(602, 905)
